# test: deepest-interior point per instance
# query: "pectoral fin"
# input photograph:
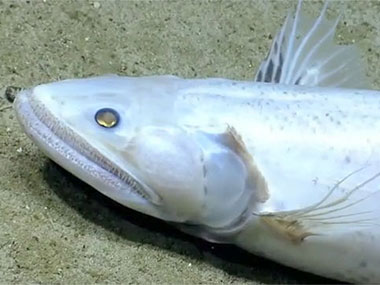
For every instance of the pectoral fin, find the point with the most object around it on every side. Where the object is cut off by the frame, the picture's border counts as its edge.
(290, 229)
(328, 215)
(235, 142)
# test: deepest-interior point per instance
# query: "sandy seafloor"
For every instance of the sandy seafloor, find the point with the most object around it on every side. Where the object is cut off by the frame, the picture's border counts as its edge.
(54, 228)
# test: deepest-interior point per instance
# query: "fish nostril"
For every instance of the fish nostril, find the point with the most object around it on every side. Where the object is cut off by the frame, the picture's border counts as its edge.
(107, 118)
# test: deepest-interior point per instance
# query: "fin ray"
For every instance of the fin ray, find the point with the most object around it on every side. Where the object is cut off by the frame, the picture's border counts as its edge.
(304, 53)
(309, 220)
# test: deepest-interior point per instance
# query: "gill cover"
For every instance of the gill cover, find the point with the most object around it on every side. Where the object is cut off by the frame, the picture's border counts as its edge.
(203, 179)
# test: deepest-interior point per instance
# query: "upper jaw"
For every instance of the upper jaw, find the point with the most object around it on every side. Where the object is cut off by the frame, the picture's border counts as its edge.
(56, 141)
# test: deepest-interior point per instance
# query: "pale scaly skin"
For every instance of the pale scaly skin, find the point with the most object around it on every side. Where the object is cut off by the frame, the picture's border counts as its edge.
(249, 169)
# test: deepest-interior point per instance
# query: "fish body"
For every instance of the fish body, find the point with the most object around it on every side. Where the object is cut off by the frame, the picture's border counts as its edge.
(285, 166)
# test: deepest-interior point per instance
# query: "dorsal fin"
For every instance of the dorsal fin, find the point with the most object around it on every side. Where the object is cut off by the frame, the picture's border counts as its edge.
(304, 53)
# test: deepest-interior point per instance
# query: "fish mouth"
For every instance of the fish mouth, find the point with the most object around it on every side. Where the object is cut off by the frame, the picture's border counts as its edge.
(69, 150)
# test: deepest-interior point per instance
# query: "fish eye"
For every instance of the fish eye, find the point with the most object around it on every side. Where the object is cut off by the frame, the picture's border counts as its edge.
(107, 117)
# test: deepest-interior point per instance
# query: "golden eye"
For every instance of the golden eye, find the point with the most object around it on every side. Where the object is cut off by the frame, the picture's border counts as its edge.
(107, 118)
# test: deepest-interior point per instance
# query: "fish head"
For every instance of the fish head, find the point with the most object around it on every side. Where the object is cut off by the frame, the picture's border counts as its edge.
(121, 136)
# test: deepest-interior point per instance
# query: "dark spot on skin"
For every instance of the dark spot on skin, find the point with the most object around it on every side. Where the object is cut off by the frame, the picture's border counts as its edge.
(204, 171)
(363, 264)
(359, 234)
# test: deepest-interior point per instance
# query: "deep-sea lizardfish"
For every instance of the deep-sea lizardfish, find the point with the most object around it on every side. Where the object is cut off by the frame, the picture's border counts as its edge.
(286, 166)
